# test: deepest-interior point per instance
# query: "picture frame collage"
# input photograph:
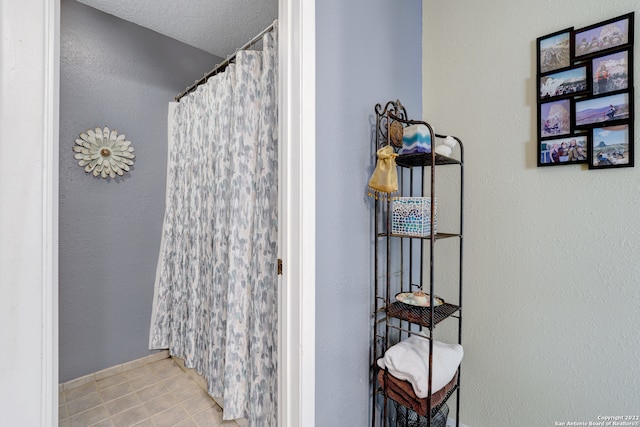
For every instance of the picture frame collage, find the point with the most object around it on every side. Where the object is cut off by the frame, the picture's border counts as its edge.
(585, 95)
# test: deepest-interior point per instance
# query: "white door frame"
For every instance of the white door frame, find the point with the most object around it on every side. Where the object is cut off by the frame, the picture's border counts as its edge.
(29, 120)
(29, 81)
(296, 317)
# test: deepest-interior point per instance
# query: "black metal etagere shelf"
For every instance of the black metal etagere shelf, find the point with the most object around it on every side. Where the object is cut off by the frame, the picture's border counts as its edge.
(403, 263)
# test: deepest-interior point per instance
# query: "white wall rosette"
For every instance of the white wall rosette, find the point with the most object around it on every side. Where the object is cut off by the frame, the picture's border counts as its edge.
(104, 153)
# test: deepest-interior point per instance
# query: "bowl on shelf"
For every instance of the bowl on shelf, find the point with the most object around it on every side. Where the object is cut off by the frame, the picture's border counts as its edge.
(418, 299)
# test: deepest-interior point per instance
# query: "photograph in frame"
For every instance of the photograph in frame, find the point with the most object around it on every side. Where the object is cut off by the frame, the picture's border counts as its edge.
(611, 147)
(602, 109)
(564, 150)
(571, 82)
(555, 118)
(554, 51)
(611, 72)
(610, 34)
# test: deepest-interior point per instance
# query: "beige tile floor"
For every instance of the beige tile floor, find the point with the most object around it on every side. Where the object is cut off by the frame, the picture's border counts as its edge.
(158, 394)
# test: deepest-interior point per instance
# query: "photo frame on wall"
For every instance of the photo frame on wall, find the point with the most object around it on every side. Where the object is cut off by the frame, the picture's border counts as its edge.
(598, 110)
(585, 99)
(562, 84)
(611, 72)
(564, 150)
(611, 147)
(603, 36)
(554, 51)
(554, 118)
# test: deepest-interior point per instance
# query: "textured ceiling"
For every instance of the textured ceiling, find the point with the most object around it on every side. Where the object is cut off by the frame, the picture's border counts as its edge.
(216, 26)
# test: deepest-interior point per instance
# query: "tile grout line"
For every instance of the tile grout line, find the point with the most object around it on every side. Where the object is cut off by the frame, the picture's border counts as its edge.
(97, 376)
(181, 371)
(190, 417)
(134, 392)
(103, 403)
(177, 403)
(193, 415)
(196, 377)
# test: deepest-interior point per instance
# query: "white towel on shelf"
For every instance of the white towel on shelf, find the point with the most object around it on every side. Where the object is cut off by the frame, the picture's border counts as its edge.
(409, 360)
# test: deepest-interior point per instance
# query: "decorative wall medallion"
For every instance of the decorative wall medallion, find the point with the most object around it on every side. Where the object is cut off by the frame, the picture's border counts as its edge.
(395, 133)
(104, 153)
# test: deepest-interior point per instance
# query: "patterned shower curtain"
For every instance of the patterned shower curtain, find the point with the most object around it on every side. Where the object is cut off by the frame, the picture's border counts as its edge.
(215, 300)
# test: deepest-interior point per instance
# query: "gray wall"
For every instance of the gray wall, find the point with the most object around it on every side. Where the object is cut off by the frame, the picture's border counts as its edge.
(117, 74)
(368, 52)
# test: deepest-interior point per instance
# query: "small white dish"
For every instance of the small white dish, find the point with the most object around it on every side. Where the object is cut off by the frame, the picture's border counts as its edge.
(420, 300)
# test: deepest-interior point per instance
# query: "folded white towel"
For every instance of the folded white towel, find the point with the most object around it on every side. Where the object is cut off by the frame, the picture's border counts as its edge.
(409, 360)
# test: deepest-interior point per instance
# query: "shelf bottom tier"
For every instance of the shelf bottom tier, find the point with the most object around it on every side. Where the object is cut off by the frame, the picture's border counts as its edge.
(402, 392)
(406, 417)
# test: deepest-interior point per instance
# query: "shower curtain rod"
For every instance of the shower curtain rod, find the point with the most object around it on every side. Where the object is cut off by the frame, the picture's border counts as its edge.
(221, 66)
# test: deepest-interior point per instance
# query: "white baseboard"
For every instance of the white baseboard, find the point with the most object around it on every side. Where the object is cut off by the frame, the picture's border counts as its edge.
(114, 370)
(451, 422)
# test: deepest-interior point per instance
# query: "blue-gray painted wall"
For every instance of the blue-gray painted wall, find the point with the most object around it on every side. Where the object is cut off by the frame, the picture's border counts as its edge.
(117, 74)
(121, 75)
(368, 52)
